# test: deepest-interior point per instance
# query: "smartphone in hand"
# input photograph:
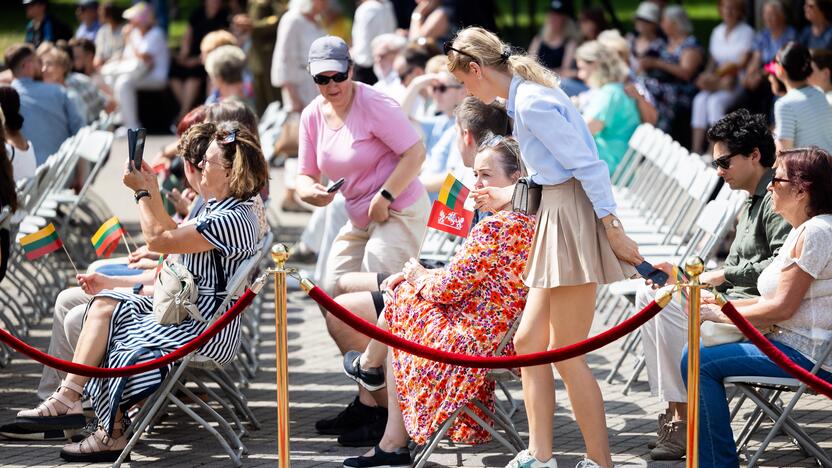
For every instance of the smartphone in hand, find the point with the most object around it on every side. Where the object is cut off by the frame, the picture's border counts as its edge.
(647, 271)
(335, 186)
(135, 146)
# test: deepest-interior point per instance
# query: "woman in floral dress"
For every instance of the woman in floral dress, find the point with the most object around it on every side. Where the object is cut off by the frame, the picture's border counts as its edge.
(466, 307)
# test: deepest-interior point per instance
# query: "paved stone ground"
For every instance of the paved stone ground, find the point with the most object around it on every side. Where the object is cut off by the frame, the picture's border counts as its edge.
(319, 389)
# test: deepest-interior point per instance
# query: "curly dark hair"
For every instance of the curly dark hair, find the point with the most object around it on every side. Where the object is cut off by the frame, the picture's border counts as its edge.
(741, 132)
(810, 170)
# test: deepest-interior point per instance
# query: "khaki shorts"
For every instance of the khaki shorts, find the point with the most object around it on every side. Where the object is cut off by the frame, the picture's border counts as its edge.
(381, 247)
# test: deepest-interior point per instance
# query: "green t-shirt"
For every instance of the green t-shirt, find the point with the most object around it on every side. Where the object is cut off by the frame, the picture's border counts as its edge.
(611, 105)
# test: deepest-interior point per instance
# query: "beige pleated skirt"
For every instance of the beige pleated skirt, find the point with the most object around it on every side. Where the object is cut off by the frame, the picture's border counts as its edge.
(570, 245)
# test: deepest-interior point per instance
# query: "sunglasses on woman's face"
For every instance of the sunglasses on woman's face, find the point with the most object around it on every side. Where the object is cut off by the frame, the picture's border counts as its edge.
(323, 80)
(441, 88)
(776, 181)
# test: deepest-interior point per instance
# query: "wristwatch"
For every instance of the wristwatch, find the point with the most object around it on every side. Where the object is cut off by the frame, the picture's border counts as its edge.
(615, 223)
(139, 194)
(386, 194)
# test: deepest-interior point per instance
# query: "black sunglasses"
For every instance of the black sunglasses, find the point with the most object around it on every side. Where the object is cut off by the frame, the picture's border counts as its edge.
(323, 80)
(230, 130)
(441, 88)
(723, 161)
(447, 48)
(777, 180)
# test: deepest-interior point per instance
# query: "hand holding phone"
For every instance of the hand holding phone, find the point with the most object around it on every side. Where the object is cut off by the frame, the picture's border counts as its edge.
(335, 186)
(135, 146)
(649, 272)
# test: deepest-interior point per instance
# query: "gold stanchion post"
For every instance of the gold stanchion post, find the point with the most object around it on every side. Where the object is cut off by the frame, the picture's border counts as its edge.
(279, 255)
(693, 267)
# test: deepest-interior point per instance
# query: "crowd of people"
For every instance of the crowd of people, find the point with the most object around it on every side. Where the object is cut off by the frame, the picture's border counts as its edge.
(388, 107)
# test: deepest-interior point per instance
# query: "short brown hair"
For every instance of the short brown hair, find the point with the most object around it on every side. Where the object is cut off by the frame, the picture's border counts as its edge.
(482, 119)
(195, 142)
(810, 170)
(16, 54)
(249, 170)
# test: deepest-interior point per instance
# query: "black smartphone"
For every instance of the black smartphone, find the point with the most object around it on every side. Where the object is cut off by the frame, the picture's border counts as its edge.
(335, 185)
(135, 146)
(647, 271)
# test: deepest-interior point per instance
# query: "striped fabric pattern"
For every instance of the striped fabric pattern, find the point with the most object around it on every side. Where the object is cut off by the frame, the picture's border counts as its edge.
(231, 226)
(40, 243)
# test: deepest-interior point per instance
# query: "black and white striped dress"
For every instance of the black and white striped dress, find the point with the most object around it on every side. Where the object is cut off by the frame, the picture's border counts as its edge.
(231, 226)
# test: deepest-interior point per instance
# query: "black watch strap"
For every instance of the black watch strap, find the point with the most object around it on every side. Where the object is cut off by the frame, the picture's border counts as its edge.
(386, 194)
(139, 194)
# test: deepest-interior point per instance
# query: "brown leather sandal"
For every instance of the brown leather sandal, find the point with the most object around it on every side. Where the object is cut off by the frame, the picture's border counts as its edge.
(98, 447)
(56, 412)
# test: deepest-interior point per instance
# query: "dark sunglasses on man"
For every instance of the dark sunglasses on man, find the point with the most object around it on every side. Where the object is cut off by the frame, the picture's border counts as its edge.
(323, 80)
(723, 162)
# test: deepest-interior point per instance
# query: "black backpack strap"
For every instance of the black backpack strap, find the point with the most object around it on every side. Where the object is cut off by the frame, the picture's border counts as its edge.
(221, 284)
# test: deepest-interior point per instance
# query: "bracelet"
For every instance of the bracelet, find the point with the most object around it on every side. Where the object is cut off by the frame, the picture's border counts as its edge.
(139, 194)
(387, 195)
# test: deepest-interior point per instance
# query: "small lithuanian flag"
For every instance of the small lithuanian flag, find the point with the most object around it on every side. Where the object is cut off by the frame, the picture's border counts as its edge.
(453, 193)
(41, 243)
(106, 238)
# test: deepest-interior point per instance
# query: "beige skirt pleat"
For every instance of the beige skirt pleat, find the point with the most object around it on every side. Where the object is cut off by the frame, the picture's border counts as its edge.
(570, 245)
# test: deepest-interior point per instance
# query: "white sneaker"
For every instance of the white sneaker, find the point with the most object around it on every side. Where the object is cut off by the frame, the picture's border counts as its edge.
(587, 463)
(525, 460)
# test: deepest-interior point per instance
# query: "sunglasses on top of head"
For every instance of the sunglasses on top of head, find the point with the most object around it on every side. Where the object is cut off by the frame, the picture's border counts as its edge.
(447, 47)
(324, 80)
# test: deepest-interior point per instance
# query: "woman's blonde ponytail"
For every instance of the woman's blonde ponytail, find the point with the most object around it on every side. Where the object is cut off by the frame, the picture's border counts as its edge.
(484, 47)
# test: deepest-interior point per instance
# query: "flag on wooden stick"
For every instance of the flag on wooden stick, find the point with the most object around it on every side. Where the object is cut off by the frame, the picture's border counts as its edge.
(40, 243)
(107, 237)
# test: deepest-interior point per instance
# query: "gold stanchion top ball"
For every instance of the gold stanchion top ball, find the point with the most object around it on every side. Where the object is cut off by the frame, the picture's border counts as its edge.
(694, 266)
(279, 253)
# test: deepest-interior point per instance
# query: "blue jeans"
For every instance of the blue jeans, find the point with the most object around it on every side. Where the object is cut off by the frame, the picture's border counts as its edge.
(717, 447)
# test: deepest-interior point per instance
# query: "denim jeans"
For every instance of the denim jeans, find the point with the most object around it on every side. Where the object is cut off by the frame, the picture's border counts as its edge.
(717, 447)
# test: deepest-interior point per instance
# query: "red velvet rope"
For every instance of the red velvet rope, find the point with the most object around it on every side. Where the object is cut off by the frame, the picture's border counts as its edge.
(109, 372)
(777, 356)
(488, 362)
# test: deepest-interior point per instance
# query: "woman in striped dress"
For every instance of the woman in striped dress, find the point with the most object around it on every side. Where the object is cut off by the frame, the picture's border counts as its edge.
(223, 235)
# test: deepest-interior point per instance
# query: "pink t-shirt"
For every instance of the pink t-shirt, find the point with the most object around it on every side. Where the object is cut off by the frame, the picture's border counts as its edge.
(364, 151)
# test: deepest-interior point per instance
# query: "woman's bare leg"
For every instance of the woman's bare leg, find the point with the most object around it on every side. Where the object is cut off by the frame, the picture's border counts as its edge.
(358, 282)
(538, 382)
(395, 434)
(92, 343)
(572, 309)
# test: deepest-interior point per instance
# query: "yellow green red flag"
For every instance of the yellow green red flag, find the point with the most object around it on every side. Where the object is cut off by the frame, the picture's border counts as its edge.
(41, 243)
(453, 193)
(106, 238)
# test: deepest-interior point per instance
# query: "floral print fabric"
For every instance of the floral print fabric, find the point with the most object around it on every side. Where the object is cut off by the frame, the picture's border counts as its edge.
(466, 307)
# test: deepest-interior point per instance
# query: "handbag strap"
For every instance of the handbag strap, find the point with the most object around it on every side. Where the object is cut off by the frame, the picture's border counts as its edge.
(220, 285)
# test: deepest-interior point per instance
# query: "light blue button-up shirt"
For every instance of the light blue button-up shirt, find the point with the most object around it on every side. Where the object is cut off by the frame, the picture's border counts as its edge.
(555, 142)
(49, 117)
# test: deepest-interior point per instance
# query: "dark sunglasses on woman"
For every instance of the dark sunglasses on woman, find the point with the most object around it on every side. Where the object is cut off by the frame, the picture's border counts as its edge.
(441, 88)
(323, 80)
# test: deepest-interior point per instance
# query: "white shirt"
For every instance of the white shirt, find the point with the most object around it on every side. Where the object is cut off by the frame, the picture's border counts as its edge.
(811, 325)
(295, 34)
(24, 163)
(372, 18)
(731, 48)
(154, 44)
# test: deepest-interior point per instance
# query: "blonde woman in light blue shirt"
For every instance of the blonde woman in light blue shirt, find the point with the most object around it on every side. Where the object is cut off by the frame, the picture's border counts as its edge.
(578, 244)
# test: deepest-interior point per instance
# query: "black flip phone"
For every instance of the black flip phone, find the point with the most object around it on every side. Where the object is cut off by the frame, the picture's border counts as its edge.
(647, 271)
(135, 146)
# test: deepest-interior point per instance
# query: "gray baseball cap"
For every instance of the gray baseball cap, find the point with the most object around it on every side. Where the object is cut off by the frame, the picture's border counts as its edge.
(329, 53)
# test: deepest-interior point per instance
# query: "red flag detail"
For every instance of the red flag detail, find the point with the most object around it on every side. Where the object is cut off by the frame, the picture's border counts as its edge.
(447, 220)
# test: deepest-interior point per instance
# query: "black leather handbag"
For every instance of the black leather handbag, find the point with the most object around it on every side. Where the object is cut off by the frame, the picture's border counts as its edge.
(526, 198)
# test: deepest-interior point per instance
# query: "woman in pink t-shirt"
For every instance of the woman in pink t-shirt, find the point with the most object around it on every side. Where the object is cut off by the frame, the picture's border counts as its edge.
(354, 132)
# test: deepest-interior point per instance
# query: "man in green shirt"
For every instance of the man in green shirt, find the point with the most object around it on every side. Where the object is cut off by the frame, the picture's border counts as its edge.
(744, 154)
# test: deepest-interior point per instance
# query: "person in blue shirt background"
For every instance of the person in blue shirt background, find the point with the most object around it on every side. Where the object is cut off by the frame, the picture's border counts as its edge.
(42, 26)
(579, 243)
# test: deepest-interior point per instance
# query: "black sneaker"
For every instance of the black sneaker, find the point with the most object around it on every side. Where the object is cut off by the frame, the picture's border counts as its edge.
(371, 379)
(364, 436)
(354, 415)
(381, 459)
(15, 431)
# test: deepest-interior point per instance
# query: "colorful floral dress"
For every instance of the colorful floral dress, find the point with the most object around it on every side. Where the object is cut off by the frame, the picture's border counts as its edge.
(466, 307)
